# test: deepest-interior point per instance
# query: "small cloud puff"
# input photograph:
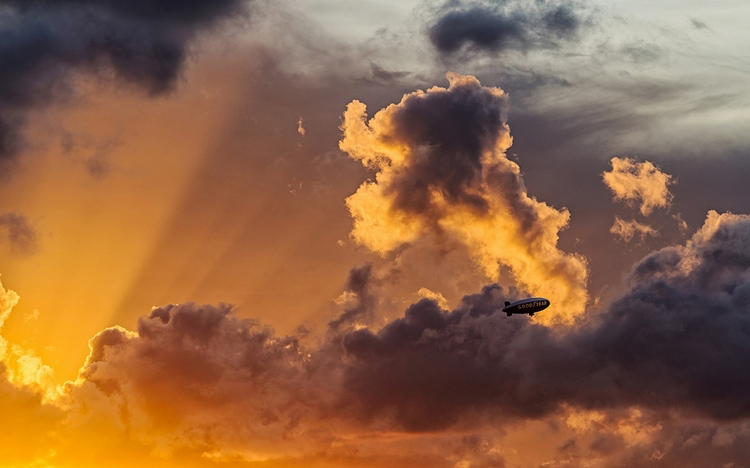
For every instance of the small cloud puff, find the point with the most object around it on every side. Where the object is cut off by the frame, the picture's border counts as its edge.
(639, 182)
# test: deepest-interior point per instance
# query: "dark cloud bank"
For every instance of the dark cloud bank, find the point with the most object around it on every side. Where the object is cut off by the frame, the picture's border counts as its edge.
(500, 26)
(43, 42)
(678, 339)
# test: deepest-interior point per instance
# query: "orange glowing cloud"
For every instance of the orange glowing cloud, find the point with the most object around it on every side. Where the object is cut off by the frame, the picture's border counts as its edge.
(20, 366)
(27, 417)
(639, 182)
(442, 172)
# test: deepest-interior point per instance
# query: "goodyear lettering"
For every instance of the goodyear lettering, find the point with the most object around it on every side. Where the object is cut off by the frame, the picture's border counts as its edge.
(532, 304)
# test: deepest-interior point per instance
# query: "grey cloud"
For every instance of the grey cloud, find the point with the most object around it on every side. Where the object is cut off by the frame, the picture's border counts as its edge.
(383, 76)
(186, 359)
(642, 52)
(43, 42)
(447, 134)
(429, 368)
(680, 334)
(698, 24)
(692, 444)
(677, 339)
(18, 232)
(184, 11)
(504, 25)
(359, 287)
(443, 174)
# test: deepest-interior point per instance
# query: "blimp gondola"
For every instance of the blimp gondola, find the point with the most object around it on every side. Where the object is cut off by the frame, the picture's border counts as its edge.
(528, 306)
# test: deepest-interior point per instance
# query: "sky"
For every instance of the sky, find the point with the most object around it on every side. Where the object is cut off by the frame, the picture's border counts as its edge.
(255, 233)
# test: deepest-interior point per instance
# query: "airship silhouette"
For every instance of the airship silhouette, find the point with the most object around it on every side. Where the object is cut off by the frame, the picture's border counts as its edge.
(529, 306)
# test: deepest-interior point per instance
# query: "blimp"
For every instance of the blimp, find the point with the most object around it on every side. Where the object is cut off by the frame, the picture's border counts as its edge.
(529, 306)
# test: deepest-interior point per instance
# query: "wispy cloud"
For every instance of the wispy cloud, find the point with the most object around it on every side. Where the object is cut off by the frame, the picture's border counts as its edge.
(626, 230)
(17, 231)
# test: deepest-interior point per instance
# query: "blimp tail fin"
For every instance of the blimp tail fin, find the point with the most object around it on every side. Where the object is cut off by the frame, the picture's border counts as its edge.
(507, 303)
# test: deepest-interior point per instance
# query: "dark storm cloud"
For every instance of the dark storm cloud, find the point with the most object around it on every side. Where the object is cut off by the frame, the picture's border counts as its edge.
(42, 43)
(18, 232)
(501, 26)
(430, 367)
(199, 369)
(185, 11)
(447, 134)
(359, 290)
(678, 339)
(384, 77)
(682, 333)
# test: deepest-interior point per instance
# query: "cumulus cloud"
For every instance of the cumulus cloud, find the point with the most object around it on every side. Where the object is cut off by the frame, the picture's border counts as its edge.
(21, 367)
(688, 305)
(499, 26)
(201, 378)
(8, 300)
(43, 43)
(636, 437)
(22, 404)
(32, 421)
(677, 339)
(18, 232)
(626, 230)
(639, 182)
(442, 172)
(431, 368)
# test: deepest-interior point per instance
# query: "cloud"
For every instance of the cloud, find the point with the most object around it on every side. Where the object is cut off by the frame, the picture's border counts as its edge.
(691, 444)
(8, 300)
(18, 232)
(32, 421)
(625, 230)
(677, 339)
(43, 44)
(698, 24)
(174, 385)
(21, 404)
(687, 309)
(429, 369)
(642, 182)
(501, 26)
(442, 172)
(198, 379)
(358, 296)
(201, 377)
(21, 367)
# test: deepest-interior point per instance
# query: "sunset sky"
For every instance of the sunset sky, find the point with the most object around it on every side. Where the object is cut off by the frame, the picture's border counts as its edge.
(280, 233)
